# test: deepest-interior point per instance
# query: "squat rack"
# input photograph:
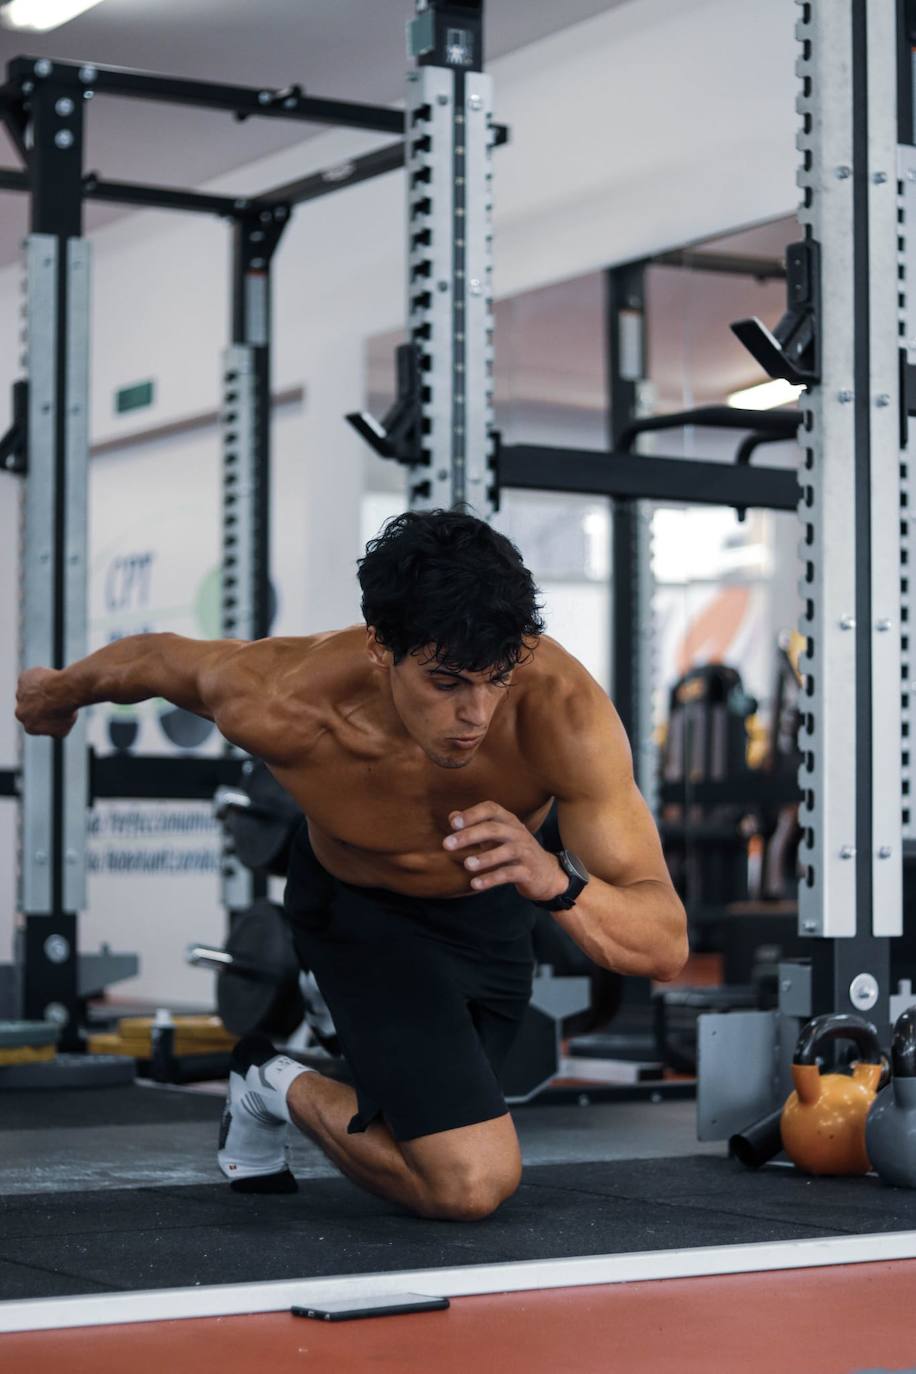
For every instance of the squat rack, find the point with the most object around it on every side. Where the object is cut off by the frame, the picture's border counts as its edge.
(445, 139)
(838, 341)
(849, 336)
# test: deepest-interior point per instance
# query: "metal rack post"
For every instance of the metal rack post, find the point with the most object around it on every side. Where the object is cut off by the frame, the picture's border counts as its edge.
(633, 637)
(52, 887)
(449, 135)
(245, 421)
(850, 895)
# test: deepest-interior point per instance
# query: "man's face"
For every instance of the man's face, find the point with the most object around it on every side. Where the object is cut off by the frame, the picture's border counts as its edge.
(448, 713)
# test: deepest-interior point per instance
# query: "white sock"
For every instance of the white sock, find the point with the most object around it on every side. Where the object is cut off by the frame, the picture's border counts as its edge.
(272, 1081)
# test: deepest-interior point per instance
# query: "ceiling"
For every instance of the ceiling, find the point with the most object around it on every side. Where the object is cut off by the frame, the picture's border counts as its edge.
(347, 49)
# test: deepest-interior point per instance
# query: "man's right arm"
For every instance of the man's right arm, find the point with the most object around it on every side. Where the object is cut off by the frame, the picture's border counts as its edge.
(225, 680)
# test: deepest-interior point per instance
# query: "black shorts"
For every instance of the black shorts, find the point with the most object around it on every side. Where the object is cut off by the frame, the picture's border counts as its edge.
(426, 994)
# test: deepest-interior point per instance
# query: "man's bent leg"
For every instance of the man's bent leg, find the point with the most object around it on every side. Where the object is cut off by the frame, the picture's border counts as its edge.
(457, 1175)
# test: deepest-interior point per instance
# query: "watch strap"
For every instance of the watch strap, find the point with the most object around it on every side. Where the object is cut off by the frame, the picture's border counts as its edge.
(574, 887)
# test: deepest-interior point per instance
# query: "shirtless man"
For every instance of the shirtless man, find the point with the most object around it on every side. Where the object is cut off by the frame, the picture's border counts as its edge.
(426, 749)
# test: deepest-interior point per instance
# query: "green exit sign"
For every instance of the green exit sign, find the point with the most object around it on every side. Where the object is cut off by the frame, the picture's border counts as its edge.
(133, 397)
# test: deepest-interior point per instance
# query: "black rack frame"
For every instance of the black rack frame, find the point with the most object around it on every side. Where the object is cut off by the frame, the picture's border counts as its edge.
(27, 76)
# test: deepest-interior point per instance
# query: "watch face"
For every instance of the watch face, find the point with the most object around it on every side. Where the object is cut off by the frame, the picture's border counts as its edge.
(574, 865)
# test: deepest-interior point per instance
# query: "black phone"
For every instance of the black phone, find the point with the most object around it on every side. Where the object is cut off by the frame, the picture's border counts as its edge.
(344, 1309)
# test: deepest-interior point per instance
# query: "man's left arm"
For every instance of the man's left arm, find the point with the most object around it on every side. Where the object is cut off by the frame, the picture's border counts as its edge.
(628, 918)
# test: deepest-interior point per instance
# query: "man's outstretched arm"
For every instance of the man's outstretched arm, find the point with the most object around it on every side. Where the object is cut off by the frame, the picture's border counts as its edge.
(231, 682)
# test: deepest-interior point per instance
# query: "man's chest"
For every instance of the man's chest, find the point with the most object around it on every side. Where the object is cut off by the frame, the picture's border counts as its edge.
(389, 806)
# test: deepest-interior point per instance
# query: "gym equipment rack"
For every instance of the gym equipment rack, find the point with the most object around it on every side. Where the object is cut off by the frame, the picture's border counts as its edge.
(849, 334)
(43, 106)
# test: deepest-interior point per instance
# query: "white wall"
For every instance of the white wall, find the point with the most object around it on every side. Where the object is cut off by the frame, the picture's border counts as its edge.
(656, 123)
(643, 129)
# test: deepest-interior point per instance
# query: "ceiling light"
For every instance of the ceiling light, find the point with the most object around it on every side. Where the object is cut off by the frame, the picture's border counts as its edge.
(766, 396)
(41, 15)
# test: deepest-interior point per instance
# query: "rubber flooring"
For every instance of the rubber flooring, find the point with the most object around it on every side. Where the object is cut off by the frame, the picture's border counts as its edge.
(149, 1136)
(165, 1237)
(78, 1108)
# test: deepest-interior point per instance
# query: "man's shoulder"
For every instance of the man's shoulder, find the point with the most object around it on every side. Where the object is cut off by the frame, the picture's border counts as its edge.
(327, 651)
(297, 681)
(563, 713)
(310, 665)
(554, 681)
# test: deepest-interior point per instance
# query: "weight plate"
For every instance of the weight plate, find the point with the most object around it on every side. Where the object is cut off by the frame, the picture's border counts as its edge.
(259, 841)
(267, 997)
(262, 836)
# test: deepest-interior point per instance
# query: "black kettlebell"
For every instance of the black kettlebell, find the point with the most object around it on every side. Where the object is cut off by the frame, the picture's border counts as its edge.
(890, 1131)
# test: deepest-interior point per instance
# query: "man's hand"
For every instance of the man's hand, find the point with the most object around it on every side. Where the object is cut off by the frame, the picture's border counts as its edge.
(36, 709)
(515, 858)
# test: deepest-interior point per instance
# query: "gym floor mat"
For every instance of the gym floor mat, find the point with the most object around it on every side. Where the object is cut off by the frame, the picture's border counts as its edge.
(147, 1238)
(128, 1105)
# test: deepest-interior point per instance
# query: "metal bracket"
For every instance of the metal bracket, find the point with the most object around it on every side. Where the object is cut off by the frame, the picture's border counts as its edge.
(791, 349)
(14, 445)
(397, 435)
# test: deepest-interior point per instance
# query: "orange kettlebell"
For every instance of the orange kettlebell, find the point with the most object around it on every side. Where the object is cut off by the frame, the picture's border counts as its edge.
(823, 1121)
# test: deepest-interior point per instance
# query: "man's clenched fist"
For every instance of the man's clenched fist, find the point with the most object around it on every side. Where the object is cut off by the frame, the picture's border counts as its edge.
(36, 709)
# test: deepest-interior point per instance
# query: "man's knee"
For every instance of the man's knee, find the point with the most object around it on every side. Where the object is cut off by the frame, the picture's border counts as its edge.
(465, 1174)
(471, 1192)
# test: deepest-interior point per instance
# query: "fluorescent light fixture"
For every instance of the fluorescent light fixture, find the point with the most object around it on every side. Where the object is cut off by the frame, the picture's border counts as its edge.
(41, 15)
(766, 396)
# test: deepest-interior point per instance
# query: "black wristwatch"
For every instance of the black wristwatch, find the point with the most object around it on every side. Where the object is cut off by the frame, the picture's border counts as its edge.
(577, 874)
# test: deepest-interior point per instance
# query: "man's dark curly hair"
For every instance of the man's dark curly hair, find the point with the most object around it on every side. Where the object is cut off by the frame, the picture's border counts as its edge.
(447, 582)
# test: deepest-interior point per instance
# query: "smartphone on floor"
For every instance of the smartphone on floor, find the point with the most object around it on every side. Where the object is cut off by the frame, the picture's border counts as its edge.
(343, 1309)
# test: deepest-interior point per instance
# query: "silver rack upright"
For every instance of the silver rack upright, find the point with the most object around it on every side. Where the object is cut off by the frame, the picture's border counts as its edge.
(54, 786)
(449, 138)
(855, 598)
(245, 422)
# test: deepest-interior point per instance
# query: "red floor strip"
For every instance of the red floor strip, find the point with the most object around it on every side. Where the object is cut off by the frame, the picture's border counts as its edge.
(841, 1320)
